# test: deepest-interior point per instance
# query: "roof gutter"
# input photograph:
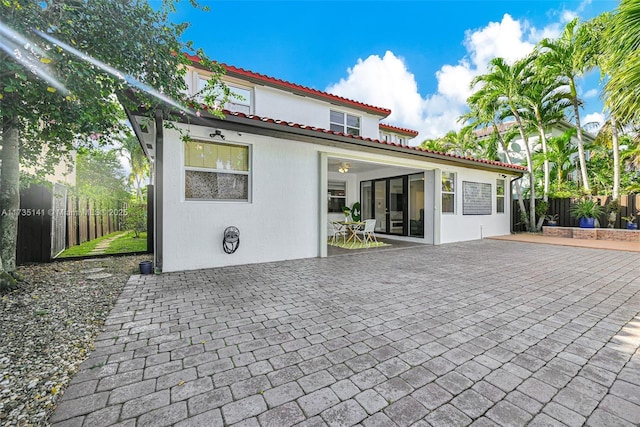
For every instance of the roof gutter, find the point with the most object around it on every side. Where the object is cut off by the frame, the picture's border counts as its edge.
(272, 128)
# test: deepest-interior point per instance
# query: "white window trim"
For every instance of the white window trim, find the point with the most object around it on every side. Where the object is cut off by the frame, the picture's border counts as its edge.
(455, 186)
(197, 77)
(337, 197)
(498, 196)
(245, 102)
(344, 122)
(248, 172)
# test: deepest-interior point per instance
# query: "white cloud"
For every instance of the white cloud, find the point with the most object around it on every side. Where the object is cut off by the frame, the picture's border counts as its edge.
(591, 93)
(387, 82)
(505, 39)
(593, 121)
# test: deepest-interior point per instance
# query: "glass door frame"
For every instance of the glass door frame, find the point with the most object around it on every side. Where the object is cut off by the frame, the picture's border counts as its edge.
(405, 202)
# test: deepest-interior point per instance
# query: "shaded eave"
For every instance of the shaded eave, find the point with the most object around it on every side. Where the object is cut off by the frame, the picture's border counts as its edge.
(280, 129)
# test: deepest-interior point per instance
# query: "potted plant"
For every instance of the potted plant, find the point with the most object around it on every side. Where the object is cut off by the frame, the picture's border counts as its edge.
(613, 209)
(355, 212)
(586, 211)
(631, 224)
(346, 210)
(552, 220)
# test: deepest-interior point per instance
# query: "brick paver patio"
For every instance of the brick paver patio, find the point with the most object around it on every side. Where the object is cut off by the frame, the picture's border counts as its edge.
(485, 332)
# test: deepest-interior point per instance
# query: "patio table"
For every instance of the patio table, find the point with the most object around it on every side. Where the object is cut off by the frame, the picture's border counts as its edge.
(353, 227)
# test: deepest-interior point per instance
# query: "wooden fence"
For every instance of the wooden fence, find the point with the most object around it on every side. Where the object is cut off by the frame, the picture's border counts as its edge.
(629, 205)
(88, 219)
(51, 220)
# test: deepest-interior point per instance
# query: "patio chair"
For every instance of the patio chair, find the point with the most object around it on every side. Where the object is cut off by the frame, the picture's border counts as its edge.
(367, 232)
(337, 230)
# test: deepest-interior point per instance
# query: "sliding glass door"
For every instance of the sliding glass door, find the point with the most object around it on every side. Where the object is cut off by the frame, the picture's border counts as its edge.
(384, 199)
(416, 205)
(380, 203)
(396, 203)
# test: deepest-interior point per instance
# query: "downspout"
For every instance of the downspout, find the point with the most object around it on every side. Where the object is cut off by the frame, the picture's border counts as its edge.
(511, 198)
(158, 191)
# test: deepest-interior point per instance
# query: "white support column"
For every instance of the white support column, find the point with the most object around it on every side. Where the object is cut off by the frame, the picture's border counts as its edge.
(437, 206)
(323, 167)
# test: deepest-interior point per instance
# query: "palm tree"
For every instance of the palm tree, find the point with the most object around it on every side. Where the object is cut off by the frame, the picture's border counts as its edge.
(608, 140)
(568, 58)
(462, 143)
(488, 148)
(435, 144)
(485, 111)
(137, 163)
(505, 83)
(545, 102)
(623, 39)
(597, 40)
(561, 149)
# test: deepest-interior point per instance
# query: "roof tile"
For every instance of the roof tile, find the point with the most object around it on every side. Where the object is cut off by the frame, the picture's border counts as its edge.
(405, 147)
(272, 81)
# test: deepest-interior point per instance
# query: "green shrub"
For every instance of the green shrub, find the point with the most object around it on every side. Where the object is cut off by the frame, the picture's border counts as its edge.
(586, 208)
(136, 218)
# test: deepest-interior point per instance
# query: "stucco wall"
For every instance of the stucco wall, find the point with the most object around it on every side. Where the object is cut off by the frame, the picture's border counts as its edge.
(285, 218)
(458, 227)
(281, 105)
(281, 221)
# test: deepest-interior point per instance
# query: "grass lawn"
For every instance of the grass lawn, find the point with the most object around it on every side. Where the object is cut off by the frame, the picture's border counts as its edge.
(124, 244)
(128, 243)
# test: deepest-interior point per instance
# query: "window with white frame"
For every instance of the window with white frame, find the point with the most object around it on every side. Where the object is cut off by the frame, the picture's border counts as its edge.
(343, 122)
(337, 196)
(217, 171)
(448, 192)
(500, 195)
(240, 98)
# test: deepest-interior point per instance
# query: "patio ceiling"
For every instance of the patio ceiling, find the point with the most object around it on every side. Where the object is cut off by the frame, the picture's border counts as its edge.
(359, 166)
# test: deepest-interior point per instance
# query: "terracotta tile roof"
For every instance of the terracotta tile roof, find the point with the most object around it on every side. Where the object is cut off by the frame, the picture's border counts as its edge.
(284, 123)
(396, 129)
(486, 131)
(283, 84)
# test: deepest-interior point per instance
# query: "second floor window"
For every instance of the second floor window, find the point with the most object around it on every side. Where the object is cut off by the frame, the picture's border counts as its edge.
(345, 123)
(239, 100)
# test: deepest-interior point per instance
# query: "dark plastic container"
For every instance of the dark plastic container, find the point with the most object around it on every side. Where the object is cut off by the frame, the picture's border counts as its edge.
(146, 267)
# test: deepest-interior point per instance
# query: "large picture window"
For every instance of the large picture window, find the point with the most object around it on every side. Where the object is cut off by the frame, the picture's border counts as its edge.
(500, 195)
(448, 192)
(345, 123)
(215, 171)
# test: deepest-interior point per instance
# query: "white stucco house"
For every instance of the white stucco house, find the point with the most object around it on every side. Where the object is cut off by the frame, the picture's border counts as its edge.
(283, 162)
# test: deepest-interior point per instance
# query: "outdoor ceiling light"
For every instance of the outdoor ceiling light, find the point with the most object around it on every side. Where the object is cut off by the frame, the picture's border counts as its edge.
(216, 132)
(344, 168)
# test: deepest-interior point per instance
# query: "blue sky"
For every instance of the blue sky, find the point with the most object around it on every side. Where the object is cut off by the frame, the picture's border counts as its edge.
(415, 57)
